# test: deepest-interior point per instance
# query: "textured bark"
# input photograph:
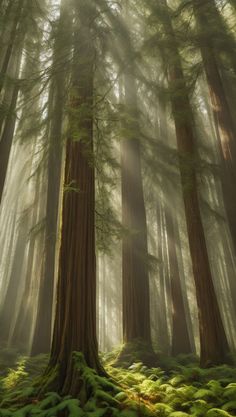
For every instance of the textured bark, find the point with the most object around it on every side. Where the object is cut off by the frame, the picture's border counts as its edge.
(136, 308)
(214, 346)
(75, 323)
(222, 116)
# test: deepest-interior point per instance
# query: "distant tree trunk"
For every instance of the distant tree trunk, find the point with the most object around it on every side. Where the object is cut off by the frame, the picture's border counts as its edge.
(8, 123)
(42, 334)
(180, 337)
(9, 235)
(222, 115)
(184, 286)
(214, 345)
(7, 310)
(162, 322)
(75, 323)
(11, 42)
(136, 303)
(6, 140)
(21, 332)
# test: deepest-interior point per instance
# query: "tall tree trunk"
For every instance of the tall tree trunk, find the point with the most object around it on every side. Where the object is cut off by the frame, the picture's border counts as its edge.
(180, 336)
(75, 323)
(136, 304)
(222, 115)
(42, 334)
(162, 322)
(213, 342)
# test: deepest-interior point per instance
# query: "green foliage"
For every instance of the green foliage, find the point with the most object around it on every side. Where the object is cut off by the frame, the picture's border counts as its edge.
(216, 412)
(130, 392)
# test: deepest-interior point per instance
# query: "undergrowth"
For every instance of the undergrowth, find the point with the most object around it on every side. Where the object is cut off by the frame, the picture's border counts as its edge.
(177, 388)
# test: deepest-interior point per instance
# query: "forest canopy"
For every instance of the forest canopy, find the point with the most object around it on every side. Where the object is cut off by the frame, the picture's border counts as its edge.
(117, 208)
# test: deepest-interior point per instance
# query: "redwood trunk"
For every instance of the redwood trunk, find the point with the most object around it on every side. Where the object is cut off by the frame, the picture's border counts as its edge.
(43, 328)
(180, 336)
(75, 323)
(136, 303)
(222, 116)
(213, 342)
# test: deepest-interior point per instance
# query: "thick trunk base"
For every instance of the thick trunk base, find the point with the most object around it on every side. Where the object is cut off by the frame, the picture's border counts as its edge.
(137, 351)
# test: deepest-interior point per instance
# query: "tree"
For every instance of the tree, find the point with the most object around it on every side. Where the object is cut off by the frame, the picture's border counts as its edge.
(57, 96)
(221, 110)
(213, 342)
(75, 322)
(136, 308)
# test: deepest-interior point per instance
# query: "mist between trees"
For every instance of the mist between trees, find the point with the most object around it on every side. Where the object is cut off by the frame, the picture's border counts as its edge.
(117, 184)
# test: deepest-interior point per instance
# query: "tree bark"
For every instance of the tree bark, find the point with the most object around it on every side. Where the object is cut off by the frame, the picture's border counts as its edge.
(213, 342)
(222, 116)
(180, 336)
(42, 333)
(75, 323)
(136, 304)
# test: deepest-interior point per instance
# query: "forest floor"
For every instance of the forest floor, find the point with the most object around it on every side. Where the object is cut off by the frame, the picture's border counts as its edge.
(177, 388)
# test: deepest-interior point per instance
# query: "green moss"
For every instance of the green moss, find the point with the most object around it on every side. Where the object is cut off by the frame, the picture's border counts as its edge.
(138, 391)
(136, 351)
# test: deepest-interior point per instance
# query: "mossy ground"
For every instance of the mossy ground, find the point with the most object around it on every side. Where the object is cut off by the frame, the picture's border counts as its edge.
(177, 388)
